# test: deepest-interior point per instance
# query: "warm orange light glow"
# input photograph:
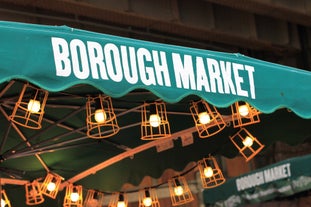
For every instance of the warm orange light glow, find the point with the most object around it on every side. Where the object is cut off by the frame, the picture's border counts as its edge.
(51, 186)
(154, 120)
(100, 116)
(121, 204)
(248, 141)
(33, 106)
(204, 118)
(178, 190)
(3, 203)
(147, 201)
(74, 197)
(243, 110)
(208, 172)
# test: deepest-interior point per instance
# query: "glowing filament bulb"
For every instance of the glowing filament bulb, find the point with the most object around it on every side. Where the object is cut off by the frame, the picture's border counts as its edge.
(178, 190)
(147, 201)
(154, 120)
(121, 204)
(51, 186)
(204, 118)
(248, 141)
(3, 203)
(74, 197)
(208, 172)
(100, 116)
(33, 106)
(243, 110)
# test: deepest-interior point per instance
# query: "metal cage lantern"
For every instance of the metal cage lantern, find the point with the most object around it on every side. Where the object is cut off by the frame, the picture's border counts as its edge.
(210, 173)
(155, 124)
(208, 120)
(93, 199)
(180, 192)
(51, 184)
(5, 202)
(100, 117)
(34, 195)
(73, 196)
(29, 108)
(118, 200)
(246, 143)
(148, 198)
(244, 114)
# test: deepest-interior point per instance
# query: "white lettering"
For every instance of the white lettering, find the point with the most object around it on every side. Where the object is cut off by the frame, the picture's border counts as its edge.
(214, 74)
(202, 80)
(78, 52)
(238, 79)
(250, 70)
(226, 76)
(96, 58)
(146, 73)
(61, 56)
(160, 67)
(113, 62)
(130, 74)
(183, 71)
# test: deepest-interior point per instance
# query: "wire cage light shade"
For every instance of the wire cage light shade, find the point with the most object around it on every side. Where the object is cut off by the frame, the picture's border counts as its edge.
(208, 120)
(248, 145)
(118, 199)
(148, 198)
(51, 184)
(100, 117)
(73, 196)
(94, 199)
(155, 124)
(34, 195)
(5, 202)
(210, 173)
(244, 114)
(180, 192)
(29, 108)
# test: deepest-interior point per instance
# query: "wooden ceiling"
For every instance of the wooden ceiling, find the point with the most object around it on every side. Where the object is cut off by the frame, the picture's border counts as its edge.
(272, 30)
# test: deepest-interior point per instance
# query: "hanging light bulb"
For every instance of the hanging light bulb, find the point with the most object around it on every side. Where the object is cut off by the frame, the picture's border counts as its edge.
(204, 118)
(208, 172)
(121, 202)
(147, 200)
(154, 120)
(248, 141)
(33, 106)
(100, 116)
(51, 186)
(243, 110)
(74, 196)
(178, 189)
(3, 203)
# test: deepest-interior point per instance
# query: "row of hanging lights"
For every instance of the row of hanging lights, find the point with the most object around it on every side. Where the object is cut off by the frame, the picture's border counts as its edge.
(102, 123)
(180, 193)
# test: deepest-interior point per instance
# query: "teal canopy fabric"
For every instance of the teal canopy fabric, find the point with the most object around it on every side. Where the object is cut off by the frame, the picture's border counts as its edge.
(282, 179)
(73, 64)
(58, 57)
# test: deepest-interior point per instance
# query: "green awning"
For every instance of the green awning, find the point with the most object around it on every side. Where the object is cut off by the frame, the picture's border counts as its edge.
(58, 57)
(73, 64)
(282, 179)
